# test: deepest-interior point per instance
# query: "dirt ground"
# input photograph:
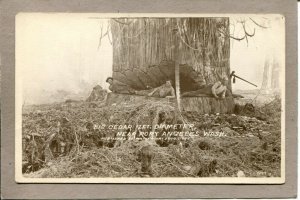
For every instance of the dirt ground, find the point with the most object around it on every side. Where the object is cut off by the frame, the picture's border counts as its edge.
(247, 143)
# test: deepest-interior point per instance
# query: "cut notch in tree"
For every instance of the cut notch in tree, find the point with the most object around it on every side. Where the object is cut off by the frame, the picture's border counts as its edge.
(188, 51)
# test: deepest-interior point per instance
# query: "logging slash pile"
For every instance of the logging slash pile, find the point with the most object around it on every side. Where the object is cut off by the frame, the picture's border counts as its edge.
(71, 140)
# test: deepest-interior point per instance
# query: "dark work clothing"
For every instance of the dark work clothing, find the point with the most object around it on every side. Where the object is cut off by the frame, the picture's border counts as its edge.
(203, 91)
(121, 88)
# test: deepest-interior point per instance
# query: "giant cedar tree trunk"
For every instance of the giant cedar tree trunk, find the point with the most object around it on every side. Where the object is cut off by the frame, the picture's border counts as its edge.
(144, 51)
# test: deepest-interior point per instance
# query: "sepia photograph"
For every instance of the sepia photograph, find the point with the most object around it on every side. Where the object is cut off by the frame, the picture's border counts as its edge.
(150, 98)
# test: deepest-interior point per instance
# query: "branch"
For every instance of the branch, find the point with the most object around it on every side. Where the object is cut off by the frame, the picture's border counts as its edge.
(257, 24)
(250, 35)
(128, 23)
(110, 40)
(235, 38)
(108, 30)
(102, 36)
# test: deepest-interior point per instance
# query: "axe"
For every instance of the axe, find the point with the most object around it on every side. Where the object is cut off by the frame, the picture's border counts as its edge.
(235, 76)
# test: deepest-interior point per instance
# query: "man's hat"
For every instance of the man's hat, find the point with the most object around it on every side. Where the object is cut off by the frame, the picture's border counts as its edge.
(109, 78)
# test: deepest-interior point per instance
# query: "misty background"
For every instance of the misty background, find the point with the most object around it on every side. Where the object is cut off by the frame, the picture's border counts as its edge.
(58, 54)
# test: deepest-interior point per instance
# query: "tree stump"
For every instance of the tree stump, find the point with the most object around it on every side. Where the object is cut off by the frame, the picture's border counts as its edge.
(202, 104)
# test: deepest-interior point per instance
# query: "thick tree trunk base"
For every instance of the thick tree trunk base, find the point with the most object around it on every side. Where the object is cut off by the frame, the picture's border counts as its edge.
(203, 104)
(207, 105)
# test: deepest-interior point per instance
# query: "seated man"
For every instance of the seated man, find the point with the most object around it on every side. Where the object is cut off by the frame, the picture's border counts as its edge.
(220, 87)
(164, 91)
(119, 87)
(98, 94)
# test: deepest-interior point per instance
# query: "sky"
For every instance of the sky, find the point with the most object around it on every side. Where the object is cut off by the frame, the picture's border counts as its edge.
(60, 52)
(248, 60)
